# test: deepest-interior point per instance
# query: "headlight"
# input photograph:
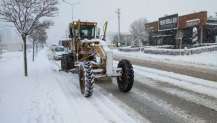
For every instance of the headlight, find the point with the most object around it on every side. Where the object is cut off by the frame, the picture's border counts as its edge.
(92, 44)
(98, 59)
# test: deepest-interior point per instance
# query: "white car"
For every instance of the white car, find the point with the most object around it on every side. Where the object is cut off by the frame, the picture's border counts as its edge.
(58, 51)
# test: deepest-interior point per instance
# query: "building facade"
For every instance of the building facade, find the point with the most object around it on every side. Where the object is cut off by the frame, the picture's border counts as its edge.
(195, 28)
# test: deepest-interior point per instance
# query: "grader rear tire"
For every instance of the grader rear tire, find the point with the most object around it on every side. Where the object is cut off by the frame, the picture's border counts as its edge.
(63, 62)
(67, 62)
(86, 79)
(126, 80)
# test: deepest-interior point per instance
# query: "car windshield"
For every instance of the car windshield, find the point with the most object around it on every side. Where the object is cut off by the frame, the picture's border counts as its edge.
(59, 49)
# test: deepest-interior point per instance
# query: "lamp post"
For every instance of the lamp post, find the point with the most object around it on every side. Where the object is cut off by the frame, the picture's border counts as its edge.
(72, 5)
(119, 28)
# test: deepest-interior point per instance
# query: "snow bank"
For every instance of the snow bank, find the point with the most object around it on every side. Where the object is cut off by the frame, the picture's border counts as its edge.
(129, 49)
(208, 59)
(159, 50)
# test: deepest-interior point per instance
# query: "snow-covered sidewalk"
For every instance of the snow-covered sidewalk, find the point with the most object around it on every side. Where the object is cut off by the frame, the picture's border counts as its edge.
(50, 96)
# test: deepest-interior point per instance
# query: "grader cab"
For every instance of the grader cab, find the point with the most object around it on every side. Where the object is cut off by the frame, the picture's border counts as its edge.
(93, 59)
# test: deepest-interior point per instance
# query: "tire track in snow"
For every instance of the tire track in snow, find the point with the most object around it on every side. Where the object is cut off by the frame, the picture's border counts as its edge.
(187, 92)
(80, 104)
(188, 95)
(183, 108)
(71, 96)
(82, 109)
(121, 111)
(143, 105)
(174, 112)
(182, 112)
(109, 110)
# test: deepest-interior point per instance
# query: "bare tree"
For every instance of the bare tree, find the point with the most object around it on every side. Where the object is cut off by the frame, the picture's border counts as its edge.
(0, 44)
(125, 39)
(139, 34)
(0, 36)
(25, 14)
(39, 36)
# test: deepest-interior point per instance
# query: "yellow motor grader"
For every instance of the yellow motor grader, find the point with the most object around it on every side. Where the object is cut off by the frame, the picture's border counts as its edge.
(94, 59)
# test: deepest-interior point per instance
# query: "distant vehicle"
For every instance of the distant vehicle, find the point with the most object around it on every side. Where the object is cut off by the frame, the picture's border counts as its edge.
(52, 47)
(51, 51)
(58, 51)
(4, 51)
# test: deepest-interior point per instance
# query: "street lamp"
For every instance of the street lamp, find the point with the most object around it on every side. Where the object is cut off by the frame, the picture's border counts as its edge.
(72, 5)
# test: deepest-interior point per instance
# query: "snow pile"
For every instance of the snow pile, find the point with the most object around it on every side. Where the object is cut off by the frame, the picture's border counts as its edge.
(208, 59)
(160, 46)
(50, 96)
(127, 49)
(160, 50)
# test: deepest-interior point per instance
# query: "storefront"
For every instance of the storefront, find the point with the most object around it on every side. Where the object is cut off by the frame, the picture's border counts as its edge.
(196, 28)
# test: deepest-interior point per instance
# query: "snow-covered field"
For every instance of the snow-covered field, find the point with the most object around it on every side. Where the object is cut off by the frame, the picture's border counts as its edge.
(208, 59)
(50, 96)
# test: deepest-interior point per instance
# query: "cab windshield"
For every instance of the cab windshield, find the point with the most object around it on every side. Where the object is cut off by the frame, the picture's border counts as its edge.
(87, 32)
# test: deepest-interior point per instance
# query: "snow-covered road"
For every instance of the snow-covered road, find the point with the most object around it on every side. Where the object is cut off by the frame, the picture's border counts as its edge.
(50, 96)
(164, 97)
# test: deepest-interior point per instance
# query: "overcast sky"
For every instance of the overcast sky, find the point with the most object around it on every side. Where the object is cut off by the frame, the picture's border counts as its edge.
(102, 10)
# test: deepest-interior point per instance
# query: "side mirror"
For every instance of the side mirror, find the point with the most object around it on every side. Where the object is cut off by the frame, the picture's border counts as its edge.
(97, 33)
(70, 33)
(76, 32)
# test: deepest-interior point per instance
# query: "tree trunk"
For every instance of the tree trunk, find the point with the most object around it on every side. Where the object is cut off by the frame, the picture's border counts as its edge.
(25, 55)
(37, 48)
(33, 50)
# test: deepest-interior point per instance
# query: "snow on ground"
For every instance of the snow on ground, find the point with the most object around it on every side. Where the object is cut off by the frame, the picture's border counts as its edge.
(198, 91)
(186, 82)
(50, 96)
(208, 59)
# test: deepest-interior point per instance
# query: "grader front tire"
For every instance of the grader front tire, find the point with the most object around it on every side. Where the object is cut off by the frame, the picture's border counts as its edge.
(126, 80)
(86, 79)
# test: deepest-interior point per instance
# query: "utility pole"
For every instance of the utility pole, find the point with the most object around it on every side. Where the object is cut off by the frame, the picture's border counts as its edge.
(119, 26)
